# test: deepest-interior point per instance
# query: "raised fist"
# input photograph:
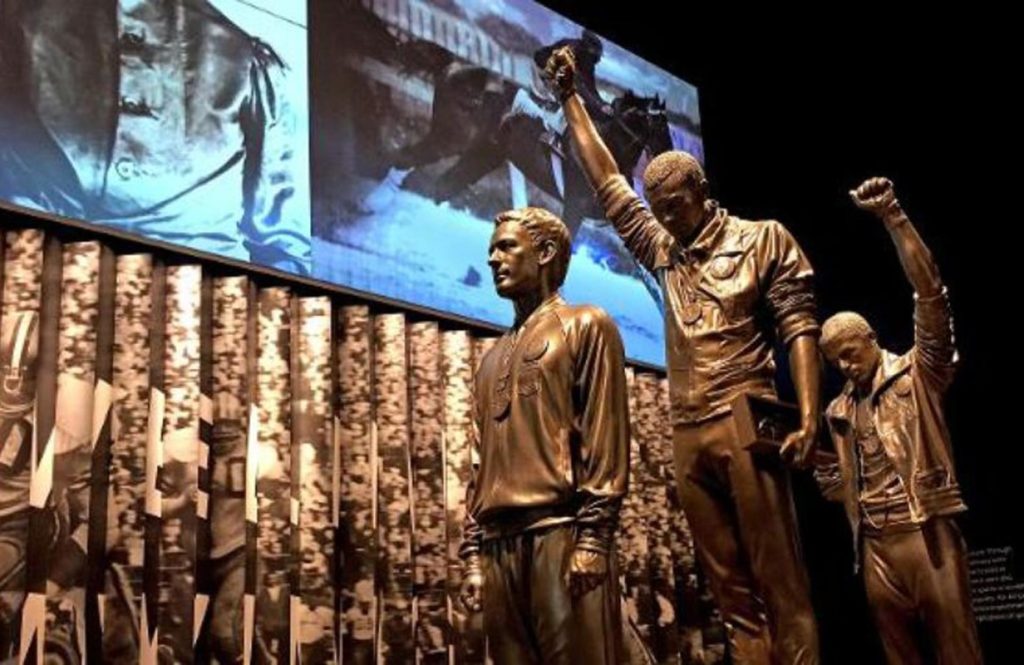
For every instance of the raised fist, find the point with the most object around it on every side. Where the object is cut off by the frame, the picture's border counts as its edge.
(876, 195)
(560, 71)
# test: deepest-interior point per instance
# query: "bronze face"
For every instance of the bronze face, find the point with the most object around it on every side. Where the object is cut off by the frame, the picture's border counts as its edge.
(680, 209)
(855, 356)
(514, 260)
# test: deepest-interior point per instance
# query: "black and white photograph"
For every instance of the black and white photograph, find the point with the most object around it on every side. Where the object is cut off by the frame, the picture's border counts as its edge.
(179, 121)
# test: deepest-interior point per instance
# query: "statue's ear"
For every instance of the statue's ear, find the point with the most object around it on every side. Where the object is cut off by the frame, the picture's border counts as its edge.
(547, 252)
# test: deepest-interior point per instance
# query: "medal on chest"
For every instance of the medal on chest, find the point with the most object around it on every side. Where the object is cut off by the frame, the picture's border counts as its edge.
(722, 267)
(691, 313)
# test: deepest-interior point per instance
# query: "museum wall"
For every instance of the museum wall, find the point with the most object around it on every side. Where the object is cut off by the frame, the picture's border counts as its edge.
(204, 465)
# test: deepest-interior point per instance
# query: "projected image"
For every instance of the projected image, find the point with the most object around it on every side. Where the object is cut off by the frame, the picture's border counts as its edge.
(431, 116)
(181, 120)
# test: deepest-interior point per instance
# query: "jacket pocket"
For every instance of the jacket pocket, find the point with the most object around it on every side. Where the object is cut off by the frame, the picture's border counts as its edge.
(932, 479)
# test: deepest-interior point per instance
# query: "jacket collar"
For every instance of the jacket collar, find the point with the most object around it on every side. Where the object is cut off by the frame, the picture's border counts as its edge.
(890, 368)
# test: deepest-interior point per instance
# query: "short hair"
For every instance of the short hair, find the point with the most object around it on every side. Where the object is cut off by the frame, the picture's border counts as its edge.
(844, 325)
(672, 169)
(543, 226)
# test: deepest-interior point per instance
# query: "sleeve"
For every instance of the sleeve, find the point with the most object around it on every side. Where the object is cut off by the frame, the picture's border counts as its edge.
(472, 534)
(603, 426)
(275, 221)
(935, 354)
(788, 281)
(643, 235)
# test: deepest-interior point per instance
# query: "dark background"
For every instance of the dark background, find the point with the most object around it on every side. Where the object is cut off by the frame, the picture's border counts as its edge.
(797, 109)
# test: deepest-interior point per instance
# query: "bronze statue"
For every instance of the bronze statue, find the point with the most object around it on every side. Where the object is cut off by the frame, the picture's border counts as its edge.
(553, 447)
(895, 472)
(718, 275)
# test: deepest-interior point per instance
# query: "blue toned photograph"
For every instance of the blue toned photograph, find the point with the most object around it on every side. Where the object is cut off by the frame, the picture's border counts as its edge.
(185, 121)
(430, 117)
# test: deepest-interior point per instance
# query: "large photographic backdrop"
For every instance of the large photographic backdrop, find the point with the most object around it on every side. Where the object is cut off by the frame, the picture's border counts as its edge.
(365, 143)
(431, 116)
(185, 121)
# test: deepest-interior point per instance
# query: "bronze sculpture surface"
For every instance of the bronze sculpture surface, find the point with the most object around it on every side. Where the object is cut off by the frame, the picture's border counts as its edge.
(719, 275)
(895, 473)
(553, 462)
